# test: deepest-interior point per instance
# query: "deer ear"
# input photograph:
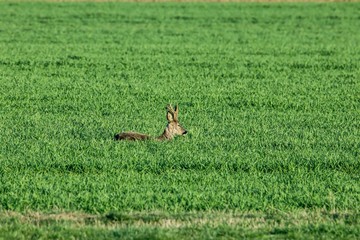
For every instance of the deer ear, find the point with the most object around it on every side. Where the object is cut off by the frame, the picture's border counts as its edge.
(170, 113)
(169, 117)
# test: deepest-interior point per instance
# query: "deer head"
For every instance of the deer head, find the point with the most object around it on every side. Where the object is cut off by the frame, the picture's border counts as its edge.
(173, 127)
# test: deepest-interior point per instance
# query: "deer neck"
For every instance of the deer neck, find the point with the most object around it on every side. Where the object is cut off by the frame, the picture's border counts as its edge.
(166, 135)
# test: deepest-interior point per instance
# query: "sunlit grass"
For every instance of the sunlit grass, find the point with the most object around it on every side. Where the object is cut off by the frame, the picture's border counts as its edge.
(269, 94)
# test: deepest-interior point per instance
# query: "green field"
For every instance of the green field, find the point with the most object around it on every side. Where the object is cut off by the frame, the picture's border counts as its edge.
(269, 93)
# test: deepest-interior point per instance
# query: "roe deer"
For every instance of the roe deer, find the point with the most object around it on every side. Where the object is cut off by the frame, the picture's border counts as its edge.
(172, 129)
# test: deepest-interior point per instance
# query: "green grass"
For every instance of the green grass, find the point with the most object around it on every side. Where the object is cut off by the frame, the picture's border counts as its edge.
(269, 93)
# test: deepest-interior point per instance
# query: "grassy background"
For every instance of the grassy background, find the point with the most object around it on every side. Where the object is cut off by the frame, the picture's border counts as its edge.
(270, 95)
(211, 225)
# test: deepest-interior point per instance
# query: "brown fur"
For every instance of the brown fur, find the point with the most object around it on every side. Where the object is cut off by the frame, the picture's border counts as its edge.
(172, 129)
